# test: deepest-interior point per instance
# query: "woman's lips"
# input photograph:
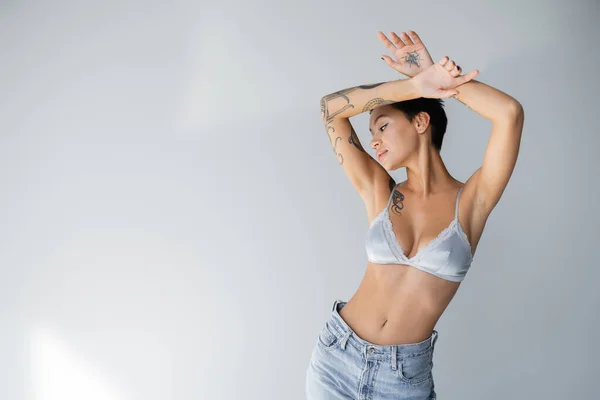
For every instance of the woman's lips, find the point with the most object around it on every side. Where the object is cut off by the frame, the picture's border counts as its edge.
(382, 154)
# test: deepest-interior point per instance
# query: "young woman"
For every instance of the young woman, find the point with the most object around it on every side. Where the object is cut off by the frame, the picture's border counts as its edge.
(423, 232)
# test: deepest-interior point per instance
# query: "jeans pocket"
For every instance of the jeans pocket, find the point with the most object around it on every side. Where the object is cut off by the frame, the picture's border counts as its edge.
(416, 369)
(327, 337)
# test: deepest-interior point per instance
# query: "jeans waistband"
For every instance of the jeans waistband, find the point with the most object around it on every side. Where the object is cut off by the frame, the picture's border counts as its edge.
(346, 333)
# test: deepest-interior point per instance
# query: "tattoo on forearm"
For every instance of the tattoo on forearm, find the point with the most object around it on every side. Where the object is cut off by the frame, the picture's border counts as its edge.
(371, 104)
(374, 85)
(397, 199)
(355, 141)
(341, 93)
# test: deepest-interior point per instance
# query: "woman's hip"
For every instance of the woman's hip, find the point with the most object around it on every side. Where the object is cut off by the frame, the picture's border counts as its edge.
(344, 364)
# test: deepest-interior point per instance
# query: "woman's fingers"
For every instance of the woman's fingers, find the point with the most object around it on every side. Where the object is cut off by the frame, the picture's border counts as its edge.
(443, 61)
(447, 93)
(386, 42)
(415, 38)
(455, 72)
(466, 78)
(388, 60)
(406, 39)
(450, 65)
(397, 41)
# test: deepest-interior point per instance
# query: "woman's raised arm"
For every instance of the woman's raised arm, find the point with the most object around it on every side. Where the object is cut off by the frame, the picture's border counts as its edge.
(507, 117)
(349, 102)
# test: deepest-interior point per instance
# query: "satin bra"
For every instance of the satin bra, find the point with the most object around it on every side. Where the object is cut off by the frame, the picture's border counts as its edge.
(447, 256)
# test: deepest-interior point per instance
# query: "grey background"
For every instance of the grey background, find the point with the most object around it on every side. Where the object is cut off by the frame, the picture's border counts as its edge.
(174, 223)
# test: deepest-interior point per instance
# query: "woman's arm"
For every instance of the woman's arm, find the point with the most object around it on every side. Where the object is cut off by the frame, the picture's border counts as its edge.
(507, 117)
(349, 102)
(489, 102)
(437, 81)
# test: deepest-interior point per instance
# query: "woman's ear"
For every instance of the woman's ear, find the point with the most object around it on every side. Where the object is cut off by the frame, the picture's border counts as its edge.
(421, 121)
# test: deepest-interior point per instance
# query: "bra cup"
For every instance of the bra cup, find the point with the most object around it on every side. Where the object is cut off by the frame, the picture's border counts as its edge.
(459, 260)
(435, 261)
(447, 256)
(377, 246)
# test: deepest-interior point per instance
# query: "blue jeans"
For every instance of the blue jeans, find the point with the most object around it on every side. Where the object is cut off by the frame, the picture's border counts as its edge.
(344, 366)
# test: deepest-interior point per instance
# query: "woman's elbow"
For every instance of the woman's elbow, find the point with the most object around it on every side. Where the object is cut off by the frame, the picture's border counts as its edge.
(515, 109)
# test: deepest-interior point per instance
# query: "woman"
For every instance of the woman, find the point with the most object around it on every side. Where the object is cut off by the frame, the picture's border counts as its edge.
(423, 232)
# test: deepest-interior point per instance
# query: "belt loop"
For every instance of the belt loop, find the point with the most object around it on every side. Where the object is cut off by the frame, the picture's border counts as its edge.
(344, 339)
(394, 361)
(435, 336)
(335, 303)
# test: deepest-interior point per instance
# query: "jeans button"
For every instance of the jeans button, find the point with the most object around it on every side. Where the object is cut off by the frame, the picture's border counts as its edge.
(371, 350)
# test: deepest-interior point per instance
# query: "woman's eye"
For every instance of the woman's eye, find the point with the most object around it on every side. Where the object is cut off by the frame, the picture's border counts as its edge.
(382, 126)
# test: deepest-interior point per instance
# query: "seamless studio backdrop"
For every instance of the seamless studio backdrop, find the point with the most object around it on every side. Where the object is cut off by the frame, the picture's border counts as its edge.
(175, 225)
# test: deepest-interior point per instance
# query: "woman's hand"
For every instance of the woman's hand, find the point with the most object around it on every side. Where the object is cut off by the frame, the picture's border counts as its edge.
(440, 79)
(411, 55)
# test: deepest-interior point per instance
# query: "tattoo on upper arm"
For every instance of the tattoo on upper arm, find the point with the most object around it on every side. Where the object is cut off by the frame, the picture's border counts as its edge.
(331, 131)
(354, 140)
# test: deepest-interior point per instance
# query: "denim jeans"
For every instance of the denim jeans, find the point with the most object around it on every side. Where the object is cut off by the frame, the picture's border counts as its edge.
(344, 366)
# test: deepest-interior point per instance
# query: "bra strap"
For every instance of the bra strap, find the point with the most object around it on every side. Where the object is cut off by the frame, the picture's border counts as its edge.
(457, 198)
(391, 195)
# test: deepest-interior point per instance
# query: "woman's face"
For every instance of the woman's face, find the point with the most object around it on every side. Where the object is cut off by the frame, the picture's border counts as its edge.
(395, 134)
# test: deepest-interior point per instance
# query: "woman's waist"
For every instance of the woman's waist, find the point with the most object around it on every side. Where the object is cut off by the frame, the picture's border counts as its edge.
(384, 323)
(394, 312)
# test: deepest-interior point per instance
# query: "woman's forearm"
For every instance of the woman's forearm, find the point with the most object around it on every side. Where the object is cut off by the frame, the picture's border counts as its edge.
(489, 102)
(355, 100)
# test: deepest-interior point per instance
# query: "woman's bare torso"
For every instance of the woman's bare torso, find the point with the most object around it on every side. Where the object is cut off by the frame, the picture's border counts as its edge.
(399, 304)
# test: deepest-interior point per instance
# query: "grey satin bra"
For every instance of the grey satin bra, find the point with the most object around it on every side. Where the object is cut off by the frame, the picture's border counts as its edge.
(447, 256)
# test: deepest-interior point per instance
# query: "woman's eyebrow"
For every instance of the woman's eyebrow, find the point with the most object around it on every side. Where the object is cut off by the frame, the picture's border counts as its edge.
(374, 122)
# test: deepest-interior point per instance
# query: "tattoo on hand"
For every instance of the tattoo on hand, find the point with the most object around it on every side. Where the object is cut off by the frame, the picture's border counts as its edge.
(413, 58)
